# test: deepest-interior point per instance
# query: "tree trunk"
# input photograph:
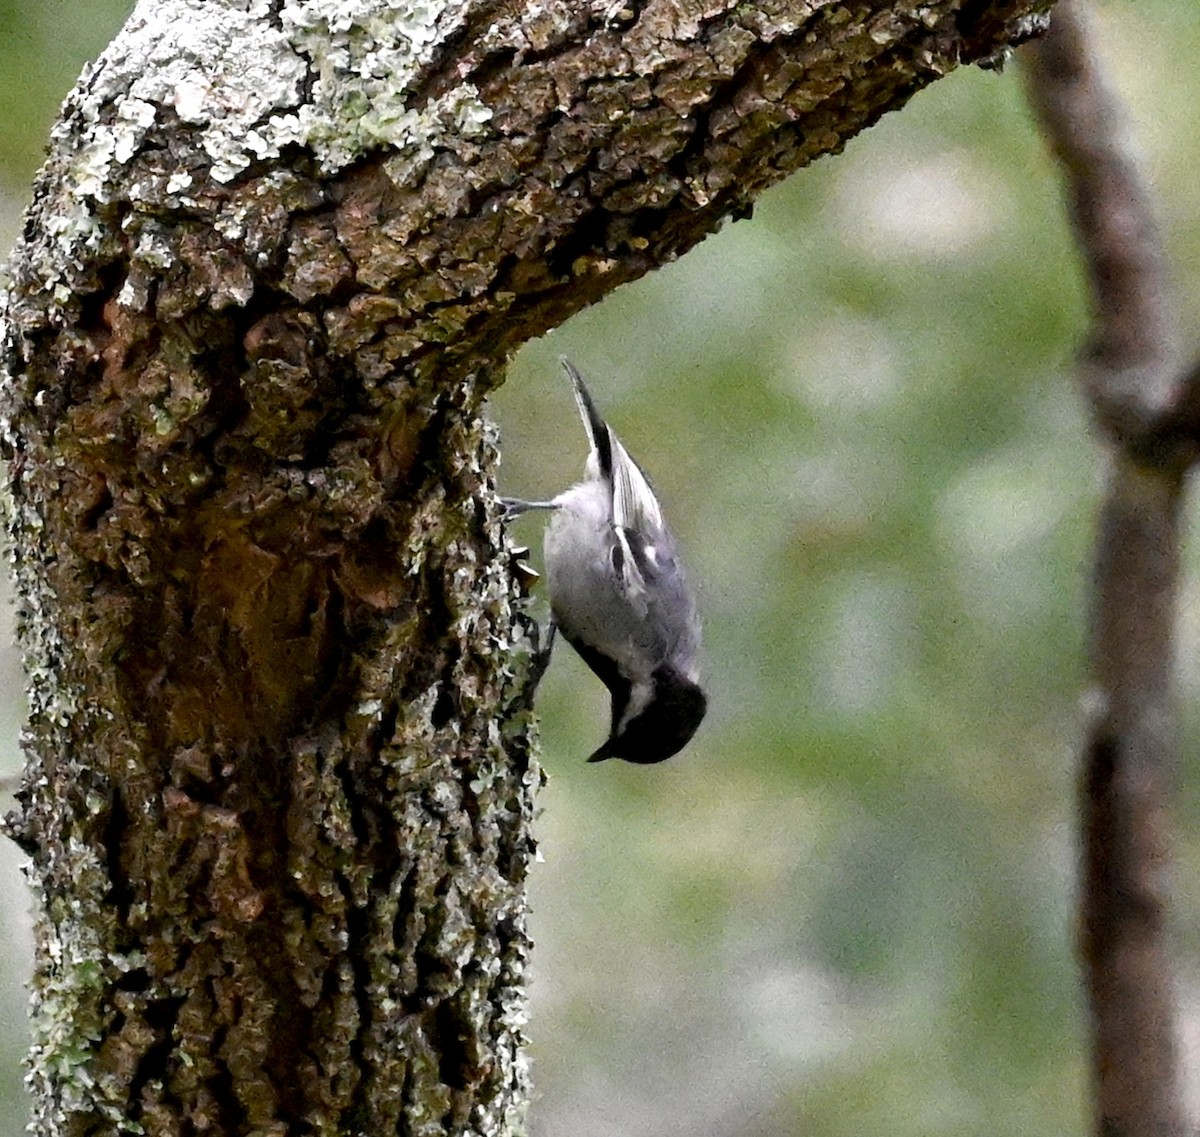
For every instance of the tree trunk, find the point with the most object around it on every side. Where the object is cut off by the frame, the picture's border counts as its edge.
(279, 780)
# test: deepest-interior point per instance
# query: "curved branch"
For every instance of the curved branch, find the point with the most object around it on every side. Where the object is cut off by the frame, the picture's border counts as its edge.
(1138, 392)
(1135, 393)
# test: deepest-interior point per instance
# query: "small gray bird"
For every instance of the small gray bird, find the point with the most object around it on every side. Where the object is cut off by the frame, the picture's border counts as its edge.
(619, 595)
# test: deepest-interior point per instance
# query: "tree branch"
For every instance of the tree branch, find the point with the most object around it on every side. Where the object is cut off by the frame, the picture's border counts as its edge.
(280, 786)
(1134, 390)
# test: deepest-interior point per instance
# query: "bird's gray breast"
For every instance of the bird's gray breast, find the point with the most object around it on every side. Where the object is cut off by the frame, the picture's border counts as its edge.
(638, 628)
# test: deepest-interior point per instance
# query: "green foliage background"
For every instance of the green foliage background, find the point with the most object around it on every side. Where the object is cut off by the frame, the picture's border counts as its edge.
(846, 909)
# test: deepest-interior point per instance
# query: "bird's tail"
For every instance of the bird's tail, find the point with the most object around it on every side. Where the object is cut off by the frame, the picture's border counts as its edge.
(597, 429)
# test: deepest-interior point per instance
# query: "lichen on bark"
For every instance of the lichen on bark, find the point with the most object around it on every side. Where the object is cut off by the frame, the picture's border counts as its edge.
(280, 780)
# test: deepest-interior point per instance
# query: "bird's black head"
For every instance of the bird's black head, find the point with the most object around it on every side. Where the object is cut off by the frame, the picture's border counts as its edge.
(666, 725)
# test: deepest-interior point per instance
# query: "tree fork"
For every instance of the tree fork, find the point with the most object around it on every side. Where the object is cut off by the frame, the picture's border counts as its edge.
(280, 780)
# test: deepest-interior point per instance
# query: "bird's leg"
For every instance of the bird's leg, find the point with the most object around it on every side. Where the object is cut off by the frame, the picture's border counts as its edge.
(539, 661)
(511, 507)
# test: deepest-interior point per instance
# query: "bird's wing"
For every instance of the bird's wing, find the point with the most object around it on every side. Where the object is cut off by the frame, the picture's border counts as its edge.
(634, 504)
(636, 515)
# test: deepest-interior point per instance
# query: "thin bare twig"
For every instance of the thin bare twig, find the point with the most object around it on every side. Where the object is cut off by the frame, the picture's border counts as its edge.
(1133, 334)
(1136, 392)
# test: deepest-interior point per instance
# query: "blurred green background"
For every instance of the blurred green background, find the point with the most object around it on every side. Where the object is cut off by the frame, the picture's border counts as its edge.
(846, 909)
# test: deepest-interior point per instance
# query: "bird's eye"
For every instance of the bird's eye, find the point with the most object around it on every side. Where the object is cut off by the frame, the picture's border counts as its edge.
(618, 558)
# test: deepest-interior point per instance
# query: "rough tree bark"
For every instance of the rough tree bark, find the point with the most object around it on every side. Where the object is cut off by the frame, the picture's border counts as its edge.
(1147, 408)
(279, 776)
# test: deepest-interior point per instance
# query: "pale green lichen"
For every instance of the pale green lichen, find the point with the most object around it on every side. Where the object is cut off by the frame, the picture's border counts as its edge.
(238, 75)
(53, 700)
(221, 67)
(333, 76)
(69, 993)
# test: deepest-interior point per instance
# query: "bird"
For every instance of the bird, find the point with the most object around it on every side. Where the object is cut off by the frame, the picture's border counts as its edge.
(620, 597)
